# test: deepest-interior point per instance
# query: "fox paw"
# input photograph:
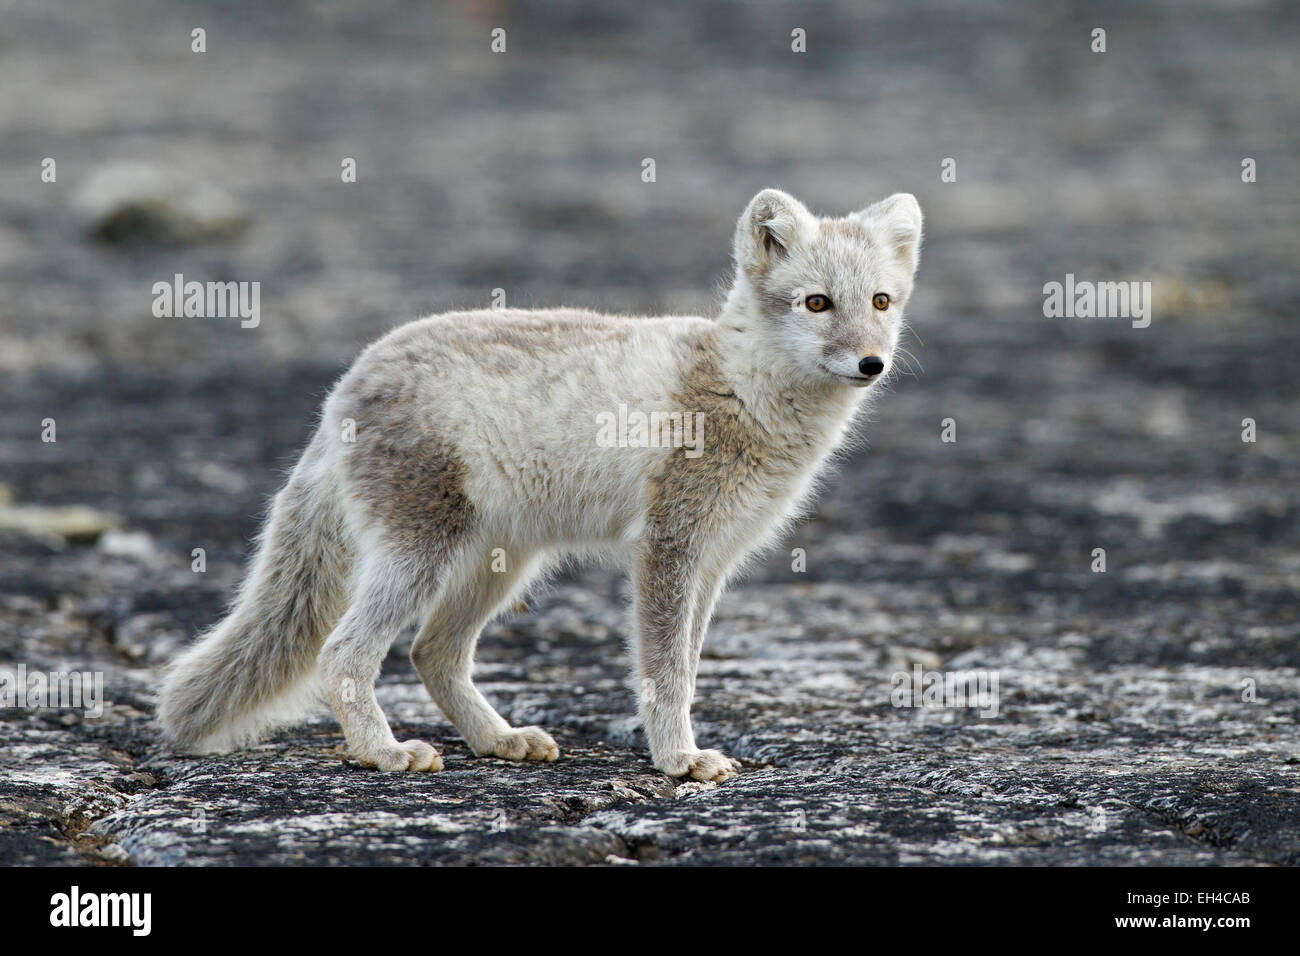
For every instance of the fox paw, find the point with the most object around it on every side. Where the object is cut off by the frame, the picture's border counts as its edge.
(411, 755)
(705, 765)
(524, 743)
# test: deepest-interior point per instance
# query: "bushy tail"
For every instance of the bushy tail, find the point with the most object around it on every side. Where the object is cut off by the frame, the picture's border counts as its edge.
(255, 668)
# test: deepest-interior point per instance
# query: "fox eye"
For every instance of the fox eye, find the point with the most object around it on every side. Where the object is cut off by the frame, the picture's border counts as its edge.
(880, 301)
(817, 303)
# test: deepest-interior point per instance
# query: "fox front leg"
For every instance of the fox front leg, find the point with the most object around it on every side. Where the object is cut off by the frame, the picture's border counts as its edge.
(672, 608)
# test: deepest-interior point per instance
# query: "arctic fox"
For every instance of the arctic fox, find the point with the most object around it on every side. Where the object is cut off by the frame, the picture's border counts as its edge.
(459, 456)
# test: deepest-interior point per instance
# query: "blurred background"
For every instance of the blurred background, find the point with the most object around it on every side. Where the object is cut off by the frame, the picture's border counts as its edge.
(522, 170)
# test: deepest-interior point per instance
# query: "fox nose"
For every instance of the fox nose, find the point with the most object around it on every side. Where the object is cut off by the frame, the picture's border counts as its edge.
(871, 365)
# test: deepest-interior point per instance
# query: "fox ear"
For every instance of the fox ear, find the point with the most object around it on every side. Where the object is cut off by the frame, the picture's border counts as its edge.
(772, 224)
(898, 219)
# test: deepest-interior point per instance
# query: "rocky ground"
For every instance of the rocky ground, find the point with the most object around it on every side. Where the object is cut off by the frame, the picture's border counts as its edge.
(1147, 714)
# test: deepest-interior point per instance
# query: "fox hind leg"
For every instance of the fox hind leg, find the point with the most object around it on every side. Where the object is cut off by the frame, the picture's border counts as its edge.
(443, 654)
(388, 596)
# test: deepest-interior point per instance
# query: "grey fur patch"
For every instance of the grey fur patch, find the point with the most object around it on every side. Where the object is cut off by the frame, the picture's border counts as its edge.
(401, 467)
(689, 497)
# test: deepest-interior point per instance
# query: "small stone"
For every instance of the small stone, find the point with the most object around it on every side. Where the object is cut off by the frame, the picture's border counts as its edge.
(76, 523)
(134, 545)
(126, 203)
(115, 854)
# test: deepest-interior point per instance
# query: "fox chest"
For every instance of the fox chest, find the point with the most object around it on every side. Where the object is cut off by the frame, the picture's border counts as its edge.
(740, 482)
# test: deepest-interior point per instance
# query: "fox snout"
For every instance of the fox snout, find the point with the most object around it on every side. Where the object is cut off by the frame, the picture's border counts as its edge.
(871, 366)
(858, 372)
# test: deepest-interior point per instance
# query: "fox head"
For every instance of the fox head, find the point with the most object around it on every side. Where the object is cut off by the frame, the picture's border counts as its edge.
(826, 296)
